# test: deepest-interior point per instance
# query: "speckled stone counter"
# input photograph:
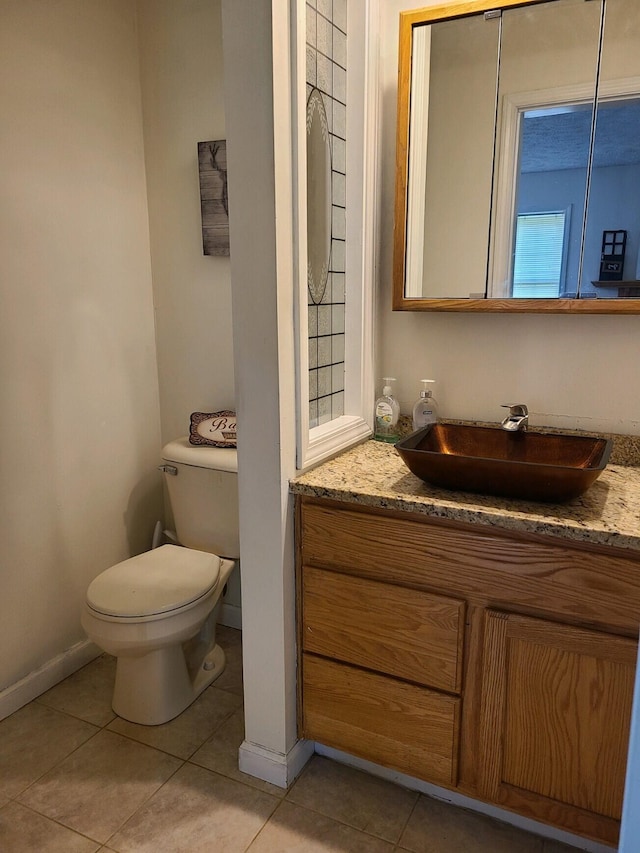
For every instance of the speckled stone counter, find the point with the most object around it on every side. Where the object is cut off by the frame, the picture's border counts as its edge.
(373, 474)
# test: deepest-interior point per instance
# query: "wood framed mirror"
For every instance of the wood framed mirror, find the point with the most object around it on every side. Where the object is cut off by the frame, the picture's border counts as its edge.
(518, 152)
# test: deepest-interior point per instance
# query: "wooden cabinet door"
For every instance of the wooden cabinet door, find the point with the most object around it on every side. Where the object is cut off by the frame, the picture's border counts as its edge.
(554, 721)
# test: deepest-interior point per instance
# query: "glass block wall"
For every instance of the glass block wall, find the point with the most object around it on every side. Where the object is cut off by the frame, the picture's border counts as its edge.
(327, 71)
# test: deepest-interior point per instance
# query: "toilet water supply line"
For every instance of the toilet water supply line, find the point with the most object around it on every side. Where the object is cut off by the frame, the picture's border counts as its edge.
(161, 536)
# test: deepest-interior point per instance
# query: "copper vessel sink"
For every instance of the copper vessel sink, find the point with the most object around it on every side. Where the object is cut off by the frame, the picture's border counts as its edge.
(530, 465)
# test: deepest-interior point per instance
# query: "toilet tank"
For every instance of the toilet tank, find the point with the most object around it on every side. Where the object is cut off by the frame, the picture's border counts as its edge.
(203, 494)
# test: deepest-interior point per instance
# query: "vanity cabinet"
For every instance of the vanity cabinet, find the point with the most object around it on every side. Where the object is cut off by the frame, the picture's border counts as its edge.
(495, 664)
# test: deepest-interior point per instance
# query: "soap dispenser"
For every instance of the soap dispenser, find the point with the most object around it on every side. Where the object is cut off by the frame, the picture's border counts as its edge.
(425, 411)
(387, 412)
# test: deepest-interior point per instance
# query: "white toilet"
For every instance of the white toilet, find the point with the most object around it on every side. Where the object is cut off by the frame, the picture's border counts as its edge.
(157, 612)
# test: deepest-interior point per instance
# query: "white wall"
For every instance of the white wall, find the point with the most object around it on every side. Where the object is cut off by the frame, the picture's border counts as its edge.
(79, 417)
(572, 371)
(182, 103)
(182, 94)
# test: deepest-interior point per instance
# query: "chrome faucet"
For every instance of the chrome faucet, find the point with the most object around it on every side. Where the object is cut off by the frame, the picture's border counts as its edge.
(517, 419)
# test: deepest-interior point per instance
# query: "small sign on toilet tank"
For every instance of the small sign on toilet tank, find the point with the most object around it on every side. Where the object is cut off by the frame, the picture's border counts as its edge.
(215, 429)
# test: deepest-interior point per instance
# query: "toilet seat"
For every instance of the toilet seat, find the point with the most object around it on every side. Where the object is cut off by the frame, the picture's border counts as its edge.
(157, 582)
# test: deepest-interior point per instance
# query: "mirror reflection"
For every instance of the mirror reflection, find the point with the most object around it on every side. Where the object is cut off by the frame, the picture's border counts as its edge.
(546, 99)
(523, 157)
(551, 189)
(615, 186)
(453, 95)
(614, 202)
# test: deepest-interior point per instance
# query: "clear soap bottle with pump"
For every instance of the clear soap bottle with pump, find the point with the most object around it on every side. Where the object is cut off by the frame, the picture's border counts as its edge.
(425, 411)
(387, 412)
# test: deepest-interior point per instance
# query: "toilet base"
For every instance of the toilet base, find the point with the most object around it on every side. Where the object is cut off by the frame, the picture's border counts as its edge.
(153, 688)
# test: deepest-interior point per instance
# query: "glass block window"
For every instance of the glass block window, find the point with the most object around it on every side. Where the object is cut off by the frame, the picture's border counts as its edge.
(326, 49)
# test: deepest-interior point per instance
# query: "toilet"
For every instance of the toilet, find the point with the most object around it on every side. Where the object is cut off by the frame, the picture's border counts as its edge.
(157, 612)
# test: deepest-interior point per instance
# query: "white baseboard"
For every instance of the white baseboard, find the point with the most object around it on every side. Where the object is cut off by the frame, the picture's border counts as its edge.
(274, 767)
(230, 616)
(456, 799)
(49, 674)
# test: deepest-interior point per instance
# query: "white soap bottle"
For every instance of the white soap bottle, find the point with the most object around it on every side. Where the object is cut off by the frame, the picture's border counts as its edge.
(387, 412)
(425, 411)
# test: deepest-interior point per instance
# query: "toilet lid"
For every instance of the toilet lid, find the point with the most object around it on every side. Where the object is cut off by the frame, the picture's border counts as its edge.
(155, 582)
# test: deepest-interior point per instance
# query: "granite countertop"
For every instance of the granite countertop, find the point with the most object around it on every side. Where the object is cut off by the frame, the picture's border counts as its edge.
(373, 474)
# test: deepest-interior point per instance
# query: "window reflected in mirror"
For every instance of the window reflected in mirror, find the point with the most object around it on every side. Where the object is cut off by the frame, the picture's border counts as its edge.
(540, 254)
(553, 162)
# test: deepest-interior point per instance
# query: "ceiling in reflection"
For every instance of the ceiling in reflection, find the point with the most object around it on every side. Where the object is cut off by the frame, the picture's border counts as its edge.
(559, 139)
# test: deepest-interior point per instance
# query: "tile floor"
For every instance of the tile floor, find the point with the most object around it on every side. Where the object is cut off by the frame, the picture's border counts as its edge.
(74, 778)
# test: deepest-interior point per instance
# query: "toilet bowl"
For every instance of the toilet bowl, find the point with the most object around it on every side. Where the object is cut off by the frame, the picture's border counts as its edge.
(143, 611)
(157, 612)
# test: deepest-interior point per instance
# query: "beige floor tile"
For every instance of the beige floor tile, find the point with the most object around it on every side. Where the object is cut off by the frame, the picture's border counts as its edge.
(231, 641)
(220, 753)
(294, 829)
(97, 788)
(196, 811)
(32, 741)
(22, 830)
(228, 636)
(350, 796)
(183, 735)
(436, 827)
(87, 693)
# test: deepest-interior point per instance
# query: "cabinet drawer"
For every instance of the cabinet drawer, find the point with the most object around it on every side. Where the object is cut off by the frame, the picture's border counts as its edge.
(391, 629)
(399, 725)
